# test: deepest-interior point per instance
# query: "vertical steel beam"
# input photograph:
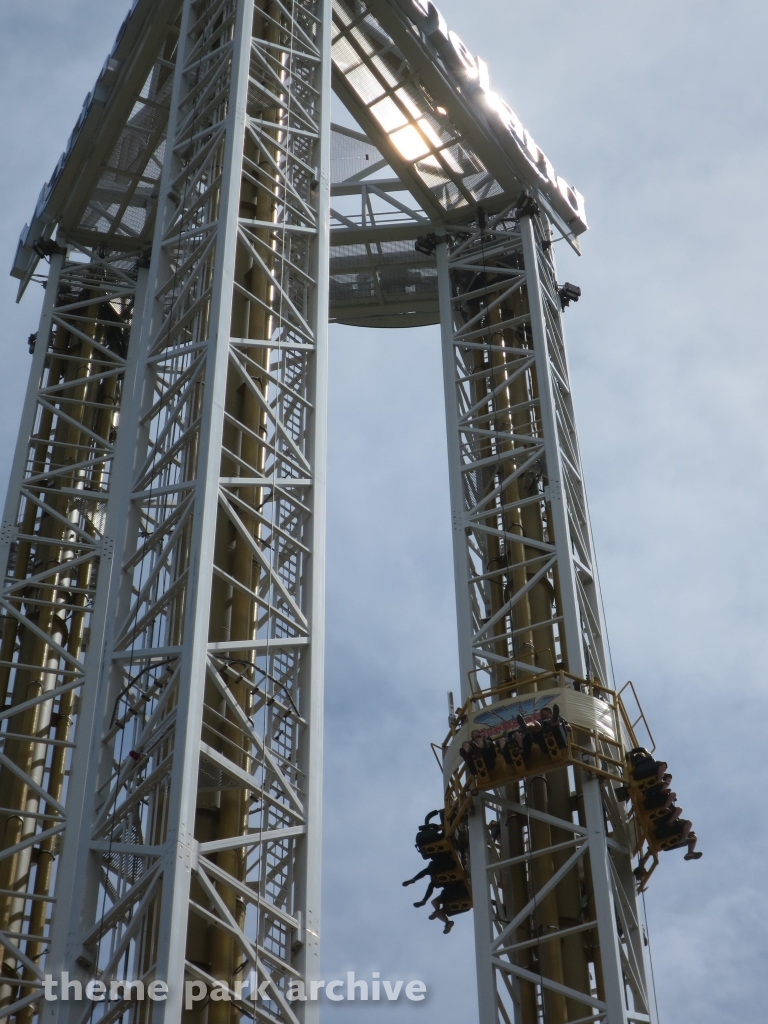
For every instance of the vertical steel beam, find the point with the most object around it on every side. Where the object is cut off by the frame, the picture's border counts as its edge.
(573, 620)
(180, 853)
(486, 984)
(513, 449)
(309, 858)
(57, 503)
(575, 614)
(557, 499)
(194, 851)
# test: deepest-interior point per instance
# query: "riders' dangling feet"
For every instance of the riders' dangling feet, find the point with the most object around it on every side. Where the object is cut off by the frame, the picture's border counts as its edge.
(409, 882)
(693, 856)
(432, 916)
(448, 927)
(420, 903)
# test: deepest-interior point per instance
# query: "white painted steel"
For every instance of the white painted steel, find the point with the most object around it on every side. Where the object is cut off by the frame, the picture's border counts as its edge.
(506, 270)
(131, 847)
(54, 527)
(185, 676)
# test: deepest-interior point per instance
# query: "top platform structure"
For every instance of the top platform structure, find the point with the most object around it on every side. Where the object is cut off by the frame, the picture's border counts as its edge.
(436, 143)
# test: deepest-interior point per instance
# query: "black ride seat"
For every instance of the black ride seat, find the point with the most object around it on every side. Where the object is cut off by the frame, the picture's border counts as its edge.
(644, 767)
(430, 840)
(457, 898)
(447, 868)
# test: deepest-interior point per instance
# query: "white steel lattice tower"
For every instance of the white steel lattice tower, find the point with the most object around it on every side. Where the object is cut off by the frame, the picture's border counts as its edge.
(163, 535)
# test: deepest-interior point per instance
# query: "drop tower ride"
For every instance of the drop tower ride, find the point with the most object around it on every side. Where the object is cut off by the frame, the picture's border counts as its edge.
(163, 538)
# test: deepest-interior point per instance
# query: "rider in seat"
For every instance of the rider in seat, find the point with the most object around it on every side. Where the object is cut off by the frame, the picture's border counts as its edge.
(442, 864)
(454, 899)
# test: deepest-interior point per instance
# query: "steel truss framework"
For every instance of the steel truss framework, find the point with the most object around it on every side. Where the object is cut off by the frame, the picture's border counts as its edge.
(162, 545)
(56, 551)
(548, 891)
(196, 787)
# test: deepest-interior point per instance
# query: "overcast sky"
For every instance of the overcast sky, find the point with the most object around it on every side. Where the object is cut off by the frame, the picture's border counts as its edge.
(656, 111)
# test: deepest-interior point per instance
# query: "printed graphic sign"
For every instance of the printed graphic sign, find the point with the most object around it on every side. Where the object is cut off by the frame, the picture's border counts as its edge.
(473, 72)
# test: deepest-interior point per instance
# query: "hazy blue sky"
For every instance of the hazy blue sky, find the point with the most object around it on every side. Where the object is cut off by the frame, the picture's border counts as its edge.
(657, 112)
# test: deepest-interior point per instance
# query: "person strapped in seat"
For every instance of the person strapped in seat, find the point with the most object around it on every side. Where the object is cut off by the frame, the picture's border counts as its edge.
(550, 733)
(444, 870)
(654, 801)
(645, 770)
(430, 839)
(454, 899)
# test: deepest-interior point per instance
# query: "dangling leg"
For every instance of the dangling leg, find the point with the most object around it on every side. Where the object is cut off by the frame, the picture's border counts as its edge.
(439, 913)
(427, 894)
(421, 874)
(692, 854)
